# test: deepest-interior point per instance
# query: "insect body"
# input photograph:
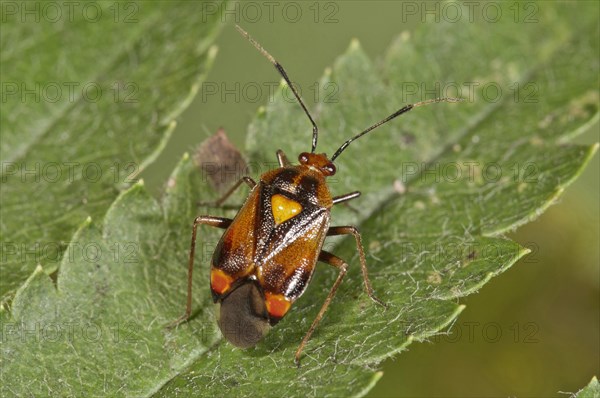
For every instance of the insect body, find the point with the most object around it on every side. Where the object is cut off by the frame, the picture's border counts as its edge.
(267, 255)
(273, 245)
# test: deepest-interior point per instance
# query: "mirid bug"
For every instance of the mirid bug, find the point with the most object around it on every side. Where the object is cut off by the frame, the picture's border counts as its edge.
(268, 252)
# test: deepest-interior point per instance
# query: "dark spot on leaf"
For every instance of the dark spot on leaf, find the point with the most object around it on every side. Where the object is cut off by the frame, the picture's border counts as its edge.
(220, 162)
(408, 138)
(590, 108)
(54, 276)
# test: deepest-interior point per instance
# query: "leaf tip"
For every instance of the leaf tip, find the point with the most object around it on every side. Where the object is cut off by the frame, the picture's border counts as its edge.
(186, 156)
(87, 221)
(140, 183)
(354, 44)
(212, 52)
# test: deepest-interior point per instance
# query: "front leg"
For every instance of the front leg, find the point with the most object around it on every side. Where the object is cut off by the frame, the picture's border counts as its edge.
(218, 222)
(346, 197)
(343, 199)
(282, 159)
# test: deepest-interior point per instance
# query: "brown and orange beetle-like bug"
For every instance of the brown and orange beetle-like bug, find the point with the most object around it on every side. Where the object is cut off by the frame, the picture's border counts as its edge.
(267, 255)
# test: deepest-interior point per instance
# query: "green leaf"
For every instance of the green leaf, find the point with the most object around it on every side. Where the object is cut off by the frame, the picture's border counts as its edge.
(430, 238)
(592, 390)
(89, 100)
(103, 323)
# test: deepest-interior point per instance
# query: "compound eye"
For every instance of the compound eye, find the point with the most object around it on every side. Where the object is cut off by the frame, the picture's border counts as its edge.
(329, 169)
(303, 158)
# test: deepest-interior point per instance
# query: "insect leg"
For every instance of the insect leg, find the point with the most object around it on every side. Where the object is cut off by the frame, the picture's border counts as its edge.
(351, 230)
(217, 203)
(282, 159)
(340, 264)
(346, 197)
(218, 222)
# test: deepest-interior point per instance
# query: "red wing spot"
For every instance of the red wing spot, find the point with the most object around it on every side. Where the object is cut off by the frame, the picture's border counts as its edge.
(220, 282)
(277, 304)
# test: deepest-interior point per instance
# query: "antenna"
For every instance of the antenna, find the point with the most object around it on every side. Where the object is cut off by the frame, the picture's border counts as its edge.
(390, 117)
(282, 72)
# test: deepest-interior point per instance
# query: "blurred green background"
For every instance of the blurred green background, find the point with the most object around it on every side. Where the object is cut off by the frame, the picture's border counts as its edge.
(533, 331)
